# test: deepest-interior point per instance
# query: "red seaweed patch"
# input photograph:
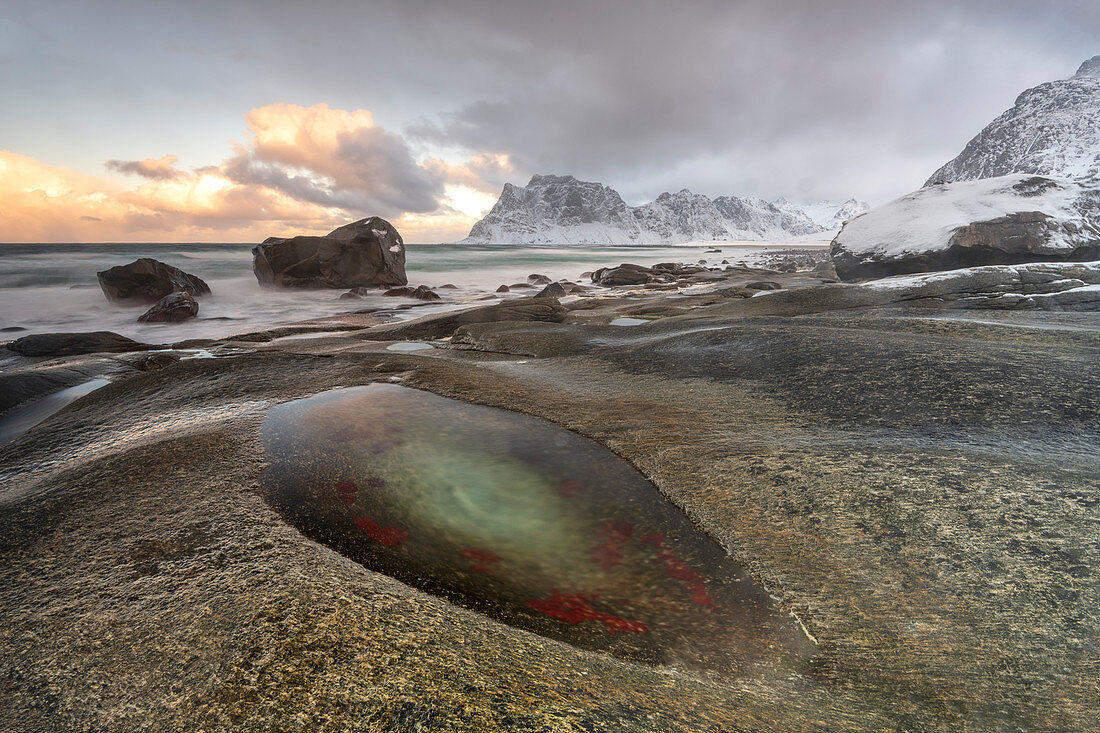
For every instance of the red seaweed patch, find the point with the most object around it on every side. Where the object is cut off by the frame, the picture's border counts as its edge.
(569, 488)
(691, 578)
(481, 561)
(575, 608)
(388, 536)
(346, 491)
(613, 535)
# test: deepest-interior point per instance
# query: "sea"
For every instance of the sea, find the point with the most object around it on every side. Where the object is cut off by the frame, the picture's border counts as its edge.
(53, 287)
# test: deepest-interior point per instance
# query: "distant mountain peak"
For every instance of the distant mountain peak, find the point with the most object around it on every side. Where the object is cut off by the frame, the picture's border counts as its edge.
(1053, 129)
(542, 179)
(1090, 67)
(563, 210)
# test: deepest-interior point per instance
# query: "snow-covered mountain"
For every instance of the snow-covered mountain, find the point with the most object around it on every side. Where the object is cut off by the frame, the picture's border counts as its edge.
(563, 210)
(1052, 129)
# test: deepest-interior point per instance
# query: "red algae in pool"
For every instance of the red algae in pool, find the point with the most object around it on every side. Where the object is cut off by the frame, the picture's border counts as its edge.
(523, 521)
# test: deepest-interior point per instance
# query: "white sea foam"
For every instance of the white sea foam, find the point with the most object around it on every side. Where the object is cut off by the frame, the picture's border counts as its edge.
(51, 287)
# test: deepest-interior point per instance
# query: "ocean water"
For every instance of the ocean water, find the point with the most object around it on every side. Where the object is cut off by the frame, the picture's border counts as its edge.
(53, 287)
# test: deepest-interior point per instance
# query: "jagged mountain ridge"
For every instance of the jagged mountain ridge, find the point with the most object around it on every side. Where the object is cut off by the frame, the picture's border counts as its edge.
(1052, 129)
(563, 210)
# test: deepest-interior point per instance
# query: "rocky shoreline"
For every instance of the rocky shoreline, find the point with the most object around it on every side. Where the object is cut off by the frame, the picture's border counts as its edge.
(909, 466)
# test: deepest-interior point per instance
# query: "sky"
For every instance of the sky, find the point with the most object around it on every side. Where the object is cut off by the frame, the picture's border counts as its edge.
(237, 120)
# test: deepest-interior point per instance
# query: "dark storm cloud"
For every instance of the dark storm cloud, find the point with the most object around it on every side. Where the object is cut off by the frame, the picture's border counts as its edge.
(795, 98)
(803, 98)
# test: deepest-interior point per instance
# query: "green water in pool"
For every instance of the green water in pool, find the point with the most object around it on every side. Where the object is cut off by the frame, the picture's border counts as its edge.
(521, 520)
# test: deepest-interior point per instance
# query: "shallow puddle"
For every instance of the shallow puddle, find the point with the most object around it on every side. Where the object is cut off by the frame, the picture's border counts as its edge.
(20, 419)
(523, 521)
(627, 321)
(408, 346)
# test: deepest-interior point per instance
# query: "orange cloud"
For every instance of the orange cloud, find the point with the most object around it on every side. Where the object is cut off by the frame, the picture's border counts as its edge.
(300, 170)
(45, 203)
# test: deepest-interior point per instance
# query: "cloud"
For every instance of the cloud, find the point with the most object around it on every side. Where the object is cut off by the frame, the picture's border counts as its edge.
(342, 157)
(44, 203)
(299, 170)
(161, 168)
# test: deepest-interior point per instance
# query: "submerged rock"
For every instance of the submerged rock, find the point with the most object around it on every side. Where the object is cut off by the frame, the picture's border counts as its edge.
(152, 362)
(553, 290)
(364, 253)
(995, 221)
(355, 293)
(148, 280)
(70, 344)
(445, 324)
(420, 292)
(173, 308)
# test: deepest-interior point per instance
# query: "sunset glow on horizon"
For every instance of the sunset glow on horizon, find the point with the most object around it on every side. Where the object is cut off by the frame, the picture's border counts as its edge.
(300, 170)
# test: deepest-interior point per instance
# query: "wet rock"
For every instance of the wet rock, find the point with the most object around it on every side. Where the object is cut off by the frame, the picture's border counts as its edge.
(737, 292)
(364, 253)
(69, 344)
(712, 251)
(553, 290)
(763, 285)
(425, 293)
(825, 271)
(148, 280)
(628, 274)
(445, 324)
(355, 293)
(12, 329)
(504, 289)
(420, 292)
(194, 343)
(448, 286)
(173, 308)
(539, 280)
(152, 362)
(520, 286)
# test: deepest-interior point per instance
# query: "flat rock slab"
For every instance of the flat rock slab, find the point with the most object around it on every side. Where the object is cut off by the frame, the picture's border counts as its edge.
(919, 490)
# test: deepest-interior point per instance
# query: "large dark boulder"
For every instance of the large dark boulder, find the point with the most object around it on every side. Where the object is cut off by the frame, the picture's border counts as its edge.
(172, 308)
(148, 280)
(994, 221)
(628, 274)
(364, 253)
(69, 344)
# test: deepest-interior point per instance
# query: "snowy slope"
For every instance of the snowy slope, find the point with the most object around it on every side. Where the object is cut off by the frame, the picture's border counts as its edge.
(926, 219)
(563, 210)
(1052, 129)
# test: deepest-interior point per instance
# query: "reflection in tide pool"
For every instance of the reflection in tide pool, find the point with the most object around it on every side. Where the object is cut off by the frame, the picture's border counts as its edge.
(521, 520)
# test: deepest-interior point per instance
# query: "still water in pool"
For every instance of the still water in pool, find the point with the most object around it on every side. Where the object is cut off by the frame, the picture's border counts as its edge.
(523, 521)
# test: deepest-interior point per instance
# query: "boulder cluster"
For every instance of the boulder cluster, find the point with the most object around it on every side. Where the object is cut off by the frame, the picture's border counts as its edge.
(171, 290)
